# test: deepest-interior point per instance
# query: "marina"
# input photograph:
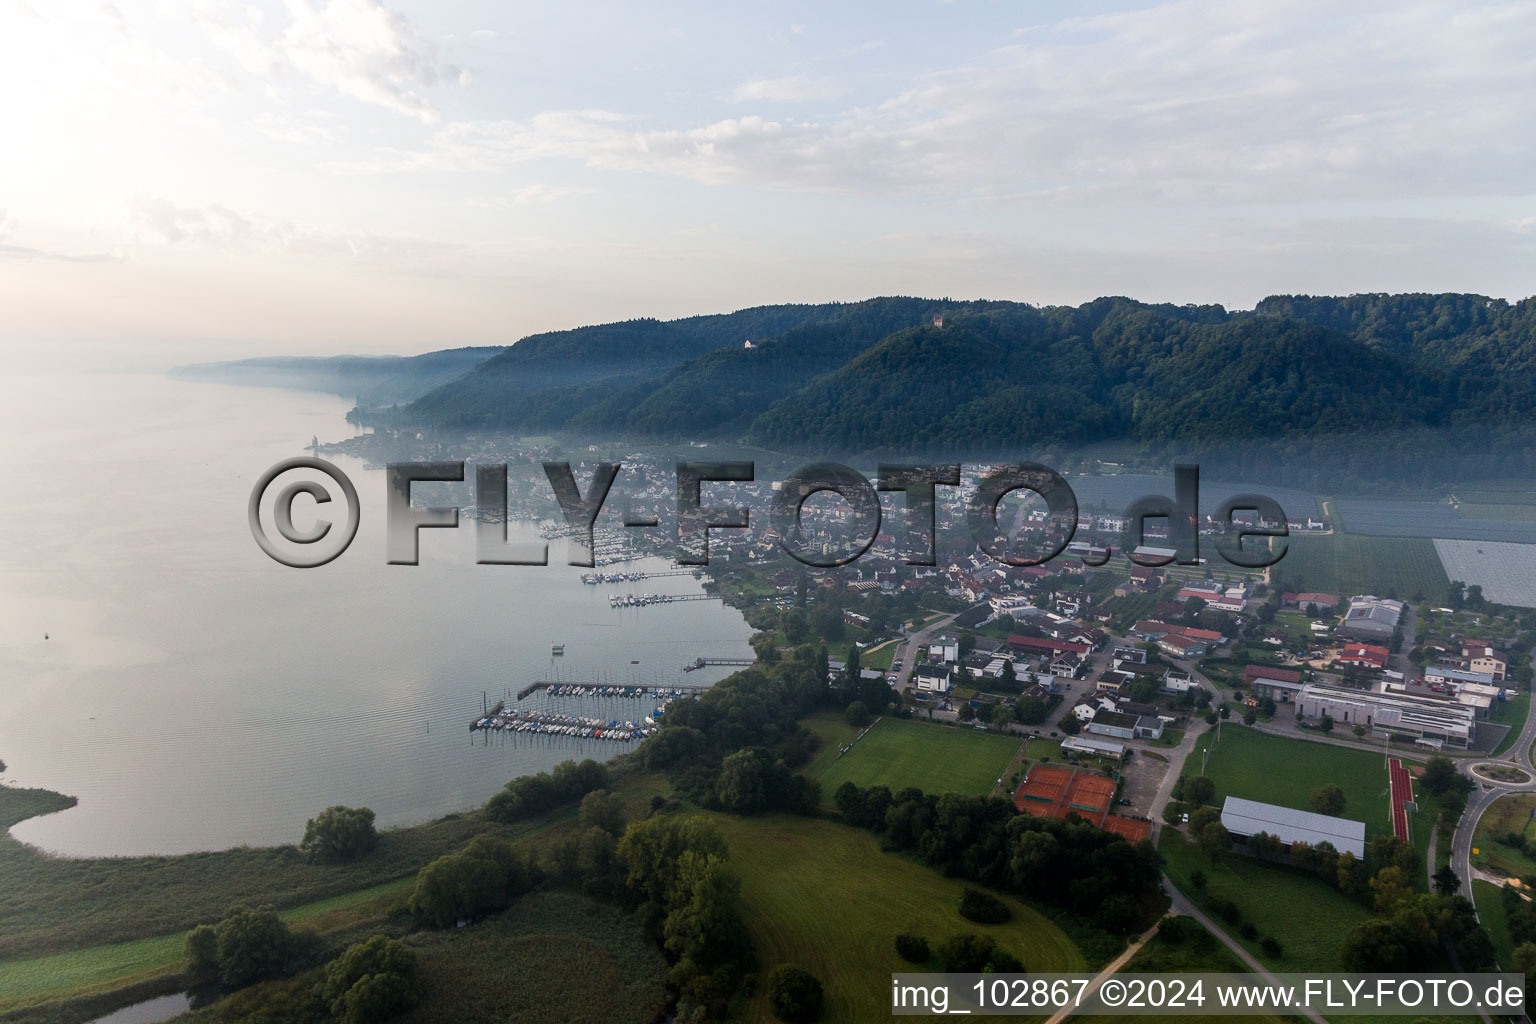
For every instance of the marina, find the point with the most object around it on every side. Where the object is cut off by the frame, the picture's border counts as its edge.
(545, 723)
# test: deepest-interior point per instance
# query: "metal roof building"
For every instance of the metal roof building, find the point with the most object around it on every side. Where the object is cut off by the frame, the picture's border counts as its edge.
(1435, 720)
(1250, 817)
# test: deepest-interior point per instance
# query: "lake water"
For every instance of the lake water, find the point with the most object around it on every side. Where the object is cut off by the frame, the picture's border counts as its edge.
(195, 694)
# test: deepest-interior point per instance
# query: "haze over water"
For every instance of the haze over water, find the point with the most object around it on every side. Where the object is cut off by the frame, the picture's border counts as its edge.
(195, 694)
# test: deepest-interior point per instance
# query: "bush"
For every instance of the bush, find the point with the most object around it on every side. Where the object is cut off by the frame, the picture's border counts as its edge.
(339, 834)
(913, 948)
(372, 981)
(1271, 947)
(480, 879)
(794, 993)
(973, 954)
(1226, 909)
(245, 947)
(983, 907)
(1248, 931)
(1197, 879)
(534, 794)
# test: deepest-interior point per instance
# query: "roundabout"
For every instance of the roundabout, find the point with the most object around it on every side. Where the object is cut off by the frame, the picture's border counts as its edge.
(1502, 773)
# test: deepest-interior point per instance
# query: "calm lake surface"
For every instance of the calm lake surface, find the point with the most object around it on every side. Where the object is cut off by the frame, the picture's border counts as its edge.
(195, 694)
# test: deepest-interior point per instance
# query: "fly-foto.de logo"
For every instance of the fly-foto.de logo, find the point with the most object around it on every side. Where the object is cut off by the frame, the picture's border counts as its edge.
(1255, 518)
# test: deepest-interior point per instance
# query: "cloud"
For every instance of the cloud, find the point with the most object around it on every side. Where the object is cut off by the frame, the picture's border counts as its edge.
(793, 87)
(547, 193)
(360, 48)
(214, 226)
(9, 251)
(1190, 102)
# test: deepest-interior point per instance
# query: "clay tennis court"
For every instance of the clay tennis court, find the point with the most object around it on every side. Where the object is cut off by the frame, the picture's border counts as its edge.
(1051, 792)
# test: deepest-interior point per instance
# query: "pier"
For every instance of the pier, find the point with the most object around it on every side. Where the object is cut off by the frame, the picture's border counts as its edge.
(568, 688)
(642, 600)
(699, 663)
(594, 578)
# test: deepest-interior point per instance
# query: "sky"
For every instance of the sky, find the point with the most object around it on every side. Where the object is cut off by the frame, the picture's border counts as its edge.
(217, 179)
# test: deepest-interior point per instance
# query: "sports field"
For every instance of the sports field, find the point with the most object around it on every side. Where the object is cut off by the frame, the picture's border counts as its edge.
(1283, 771)
(824, 896)
(1348, 563)
(934, 758)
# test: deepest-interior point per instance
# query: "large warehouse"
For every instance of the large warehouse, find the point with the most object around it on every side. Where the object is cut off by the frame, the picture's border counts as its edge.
(1434, 720)
(1246, 818)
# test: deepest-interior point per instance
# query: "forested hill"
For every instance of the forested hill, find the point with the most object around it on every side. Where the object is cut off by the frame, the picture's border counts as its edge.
(374, 380)
(885, 375)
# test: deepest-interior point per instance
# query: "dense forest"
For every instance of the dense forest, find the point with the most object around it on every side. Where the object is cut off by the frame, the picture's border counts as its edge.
(1411, 388)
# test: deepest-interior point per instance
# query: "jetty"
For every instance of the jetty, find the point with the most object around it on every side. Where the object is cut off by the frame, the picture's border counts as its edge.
(591, 579)
(699, 663)
(642, 600)
(568, 688)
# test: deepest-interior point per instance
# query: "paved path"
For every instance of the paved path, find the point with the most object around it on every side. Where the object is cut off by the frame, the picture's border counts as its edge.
(1109, 969)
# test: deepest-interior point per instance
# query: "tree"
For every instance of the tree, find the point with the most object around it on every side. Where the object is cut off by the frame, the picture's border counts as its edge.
(1200, 790)
(339, 834)
(1441, 777)
(1524, 961)
(1001, 716)
(1030, 710)
(856, 714)
(252, 944)
(742, 787)
(372, 981)
(1326, 724)
(1447, 883)
(1391, 887)
(1328, 800)
(1215, 840)
(203, 954)
(1070, 724)
(604, 810)
(1009, 681)
(1249, 716)
(480, 879)
(794, 993)
(1359, 732)
(912, 948)
(967, 712)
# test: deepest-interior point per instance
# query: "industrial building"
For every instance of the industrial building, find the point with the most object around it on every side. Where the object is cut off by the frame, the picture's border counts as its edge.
(1371, 619)
(1247, 818)
(1433, 721)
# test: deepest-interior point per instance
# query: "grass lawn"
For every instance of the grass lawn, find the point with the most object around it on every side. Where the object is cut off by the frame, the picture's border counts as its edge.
(1284, 771)
(1507, 814)
(1512, 713)
(879, 657)
(1309, 917)
(1347, 563)
(935, 758)
(1490, 911)
(1197, 953)
(553, 957)
(824, 896)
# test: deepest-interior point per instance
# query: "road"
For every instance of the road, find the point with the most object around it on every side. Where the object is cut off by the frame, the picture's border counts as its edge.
(1485, 794)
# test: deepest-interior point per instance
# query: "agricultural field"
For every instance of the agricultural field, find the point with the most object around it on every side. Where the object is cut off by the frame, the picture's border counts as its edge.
(1392, 518)
(554, 956)
(1506, 572)
(1348, 564)
(1279, 770)
(823, 895)
(935, 758)
(1515, 513)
